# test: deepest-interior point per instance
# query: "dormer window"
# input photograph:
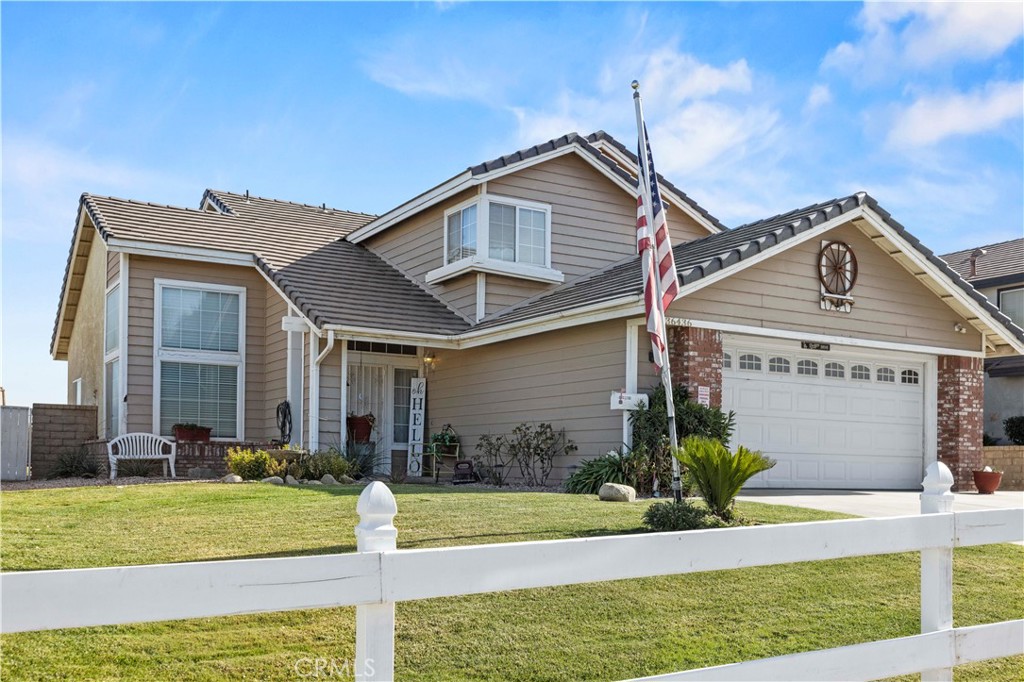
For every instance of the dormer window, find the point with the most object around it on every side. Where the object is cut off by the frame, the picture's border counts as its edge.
(497, 234)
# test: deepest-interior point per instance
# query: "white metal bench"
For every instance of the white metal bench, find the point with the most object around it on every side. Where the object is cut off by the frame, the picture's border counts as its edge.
(141, 446)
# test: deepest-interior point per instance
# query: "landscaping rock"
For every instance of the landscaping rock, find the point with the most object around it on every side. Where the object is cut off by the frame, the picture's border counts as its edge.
(312, 482)
(616, 492)
(329, 480)
(347, 480)
(290, 480)
(202, 472)
(274, 480)
(232, 478)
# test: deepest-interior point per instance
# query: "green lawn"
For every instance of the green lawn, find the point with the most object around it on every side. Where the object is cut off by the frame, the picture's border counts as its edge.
(606, 631)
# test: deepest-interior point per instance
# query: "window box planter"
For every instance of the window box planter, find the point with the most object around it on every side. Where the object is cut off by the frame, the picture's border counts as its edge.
(987, 482)
(191, 433)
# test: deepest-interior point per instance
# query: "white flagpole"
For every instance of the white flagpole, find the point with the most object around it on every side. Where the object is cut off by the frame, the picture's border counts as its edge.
(666, 370)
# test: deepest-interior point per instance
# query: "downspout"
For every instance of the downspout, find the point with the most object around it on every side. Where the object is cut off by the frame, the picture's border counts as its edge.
(314, 385)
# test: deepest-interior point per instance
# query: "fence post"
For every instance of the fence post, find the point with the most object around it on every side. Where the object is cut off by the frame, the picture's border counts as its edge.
(375, 624)
(937, 565)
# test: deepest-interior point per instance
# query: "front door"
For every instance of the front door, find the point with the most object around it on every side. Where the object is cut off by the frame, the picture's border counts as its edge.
(383, 391)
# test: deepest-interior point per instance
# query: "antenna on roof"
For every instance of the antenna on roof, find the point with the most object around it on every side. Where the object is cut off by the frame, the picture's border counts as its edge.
(247, 196)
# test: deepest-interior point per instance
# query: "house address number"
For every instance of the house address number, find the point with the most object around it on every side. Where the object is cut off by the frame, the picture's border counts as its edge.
(814, 345)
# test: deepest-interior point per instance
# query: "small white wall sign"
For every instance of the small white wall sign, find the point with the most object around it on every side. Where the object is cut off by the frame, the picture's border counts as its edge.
(704, 395)
(621, 400)
(417, 409)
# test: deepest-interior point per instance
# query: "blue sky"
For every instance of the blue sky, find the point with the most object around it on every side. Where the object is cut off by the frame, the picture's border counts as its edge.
(753, 108)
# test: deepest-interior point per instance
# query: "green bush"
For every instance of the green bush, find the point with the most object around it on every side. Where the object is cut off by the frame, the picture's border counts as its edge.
(77, 463)
(593, 473)
(317, 464)
(1014, 428)
(685, 515)
(532, 448)
(717, 473)
(650, 422)
(363, 460)
(254, 465)
(138, 467)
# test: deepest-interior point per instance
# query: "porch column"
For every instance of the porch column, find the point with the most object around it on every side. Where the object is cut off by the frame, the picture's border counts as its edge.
(960, 416)
(696, 359)
(294, 327)
(344, 395)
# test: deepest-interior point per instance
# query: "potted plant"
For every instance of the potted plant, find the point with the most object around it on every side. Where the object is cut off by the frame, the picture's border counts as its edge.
(360, 427)
(445, 441)
(987, 480)
(191, 432)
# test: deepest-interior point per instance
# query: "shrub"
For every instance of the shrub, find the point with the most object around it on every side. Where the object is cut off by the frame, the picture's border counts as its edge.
(315, 465)
(685, 515)
(988, 440)
(532, 448)
(717, 473)
(363, 461)
(137, 467)
(593, 473)
(77, 463)
(1014, 428)
(254, 465)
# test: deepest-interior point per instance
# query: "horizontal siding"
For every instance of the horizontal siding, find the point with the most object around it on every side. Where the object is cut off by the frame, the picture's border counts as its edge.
(503, 292)
(783, 293)
(562, 377)
(275, 361)
(460, 294)
(141, 273)
(113, 267)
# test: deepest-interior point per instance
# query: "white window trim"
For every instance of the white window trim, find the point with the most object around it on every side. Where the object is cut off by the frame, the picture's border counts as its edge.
(112, 356)
(481, 261)
(197, 356)
(999, 298)
(76, 385)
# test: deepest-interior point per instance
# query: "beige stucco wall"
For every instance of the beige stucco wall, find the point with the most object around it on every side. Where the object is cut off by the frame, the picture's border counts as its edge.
(563, 377)
(783, 293)
(142, 271)
(85, 350)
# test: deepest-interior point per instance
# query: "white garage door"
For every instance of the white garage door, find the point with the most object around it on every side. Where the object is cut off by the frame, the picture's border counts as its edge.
(830, 420)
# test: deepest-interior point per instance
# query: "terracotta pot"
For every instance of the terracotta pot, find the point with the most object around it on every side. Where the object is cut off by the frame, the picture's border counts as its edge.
(360, 428)
(196, 435)
(987, 482)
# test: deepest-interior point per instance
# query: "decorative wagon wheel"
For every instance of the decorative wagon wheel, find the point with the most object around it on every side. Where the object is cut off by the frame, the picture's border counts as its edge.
(837, 268)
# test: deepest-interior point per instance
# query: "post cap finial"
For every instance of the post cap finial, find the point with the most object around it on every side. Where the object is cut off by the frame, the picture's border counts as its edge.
(635, 85)
(376, 508)
(938, 479)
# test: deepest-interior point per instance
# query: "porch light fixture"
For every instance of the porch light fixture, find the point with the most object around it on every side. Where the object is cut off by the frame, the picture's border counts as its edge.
(429, 361)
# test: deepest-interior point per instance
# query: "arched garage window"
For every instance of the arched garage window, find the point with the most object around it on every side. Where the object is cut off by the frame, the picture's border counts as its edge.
(808, 368)
(886, 375)
(860, 373)
(751, 362)
(909, 376)
(835, 370)
(778, 366)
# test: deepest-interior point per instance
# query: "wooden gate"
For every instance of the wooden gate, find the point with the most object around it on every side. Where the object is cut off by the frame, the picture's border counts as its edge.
(15, 430)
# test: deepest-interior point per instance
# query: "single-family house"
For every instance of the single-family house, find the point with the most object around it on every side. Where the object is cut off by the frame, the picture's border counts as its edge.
(997, 272)
(849, 351)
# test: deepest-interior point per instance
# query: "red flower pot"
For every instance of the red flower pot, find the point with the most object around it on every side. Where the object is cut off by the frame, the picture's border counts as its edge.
(987, 482)
(360, 428)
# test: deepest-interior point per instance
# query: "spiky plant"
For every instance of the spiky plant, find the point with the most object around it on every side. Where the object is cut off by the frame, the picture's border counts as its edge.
(717, 473)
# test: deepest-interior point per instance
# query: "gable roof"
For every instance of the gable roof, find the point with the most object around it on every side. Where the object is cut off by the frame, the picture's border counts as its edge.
(588, 148)
(299, 248)
(723, 253)
(1002, 263)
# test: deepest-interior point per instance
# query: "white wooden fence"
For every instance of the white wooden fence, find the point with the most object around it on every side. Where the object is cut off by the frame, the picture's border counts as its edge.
(379, 575)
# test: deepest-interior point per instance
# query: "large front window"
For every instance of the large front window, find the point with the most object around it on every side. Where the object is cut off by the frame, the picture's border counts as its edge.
(200, 353)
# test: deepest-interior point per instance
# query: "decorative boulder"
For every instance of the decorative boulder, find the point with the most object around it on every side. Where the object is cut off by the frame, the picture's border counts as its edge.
(327, 479)
(201, 472)
(616, 492)
(347, 480)
(274, 480)
(232, 478)
(313, 482)
(291, 480)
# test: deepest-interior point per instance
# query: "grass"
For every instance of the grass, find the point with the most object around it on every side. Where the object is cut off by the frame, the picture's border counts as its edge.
(609, 631)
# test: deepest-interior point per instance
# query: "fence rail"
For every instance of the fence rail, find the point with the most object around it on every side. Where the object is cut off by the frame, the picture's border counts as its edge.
(379, 575)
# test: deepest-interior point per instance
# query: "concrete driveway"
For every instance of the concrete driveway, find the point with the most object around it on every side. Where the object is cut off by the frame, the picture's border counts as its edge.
(878, 502)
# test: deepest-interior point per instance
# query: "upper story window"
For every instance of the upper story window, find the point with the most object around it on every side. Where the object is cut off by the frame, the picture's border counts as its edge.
(1011, 302)
(461, 234)
(497, 234)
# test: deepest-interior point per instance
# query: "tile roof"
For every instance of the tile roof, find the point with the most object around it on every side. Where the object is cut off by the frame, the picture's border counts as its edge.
(1002, 263)
(300, 247)
(699, 258)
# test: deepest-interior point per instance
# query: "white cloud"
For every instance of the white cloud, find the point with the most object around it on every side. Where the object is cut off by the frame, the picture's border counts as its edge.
(935, 117)
(450, 77)
(819, 96)
(913, 36)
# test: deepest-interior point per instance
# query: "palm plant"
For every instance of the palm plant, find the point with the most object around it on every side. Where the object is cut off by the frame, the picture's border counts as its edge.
(717, 473)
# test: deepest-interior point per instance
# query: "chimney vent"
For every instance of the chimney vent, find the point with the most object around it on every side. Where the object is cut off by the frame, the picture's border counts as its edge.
(978, 253)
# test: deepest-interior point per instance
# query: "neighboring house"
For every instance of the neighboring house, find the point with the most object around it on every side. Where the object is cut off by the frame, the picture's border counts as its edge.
(997, 272)
(850, 353)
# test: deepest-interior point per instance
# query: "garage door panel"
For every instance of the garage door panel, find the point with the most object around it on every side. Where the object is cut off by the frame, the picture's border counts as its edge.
(829, 432)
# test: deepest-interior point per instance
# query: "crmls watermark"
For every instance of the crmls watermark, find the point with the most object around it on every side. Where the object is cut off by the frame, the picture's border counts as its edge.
(311, 667)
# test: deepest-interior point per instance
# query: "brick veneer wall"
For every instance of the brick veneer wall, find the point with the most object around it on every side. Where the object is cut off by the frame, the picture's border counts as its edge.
(56, 429)
(961, 416)
(1010, 460)
(696, 360)
(210, 455)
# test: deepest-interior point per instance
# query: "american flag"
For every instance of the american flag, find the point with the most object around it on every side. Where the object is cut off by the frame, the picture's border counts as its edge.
(658, 260)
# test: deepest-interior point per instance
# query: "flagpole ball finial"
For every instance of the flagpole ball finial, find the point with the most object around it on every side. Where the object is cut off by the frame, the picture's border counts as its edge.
(635, 85)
